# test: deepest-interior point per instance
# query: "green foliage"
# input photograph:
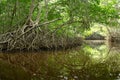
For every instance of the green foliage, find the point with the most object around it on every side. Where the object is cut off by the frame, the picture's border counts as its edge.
(81, 13)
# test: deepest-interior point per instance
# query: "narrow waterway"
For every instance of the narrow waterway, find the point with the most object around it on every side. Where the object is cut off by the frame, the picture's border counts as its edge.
(94, 60)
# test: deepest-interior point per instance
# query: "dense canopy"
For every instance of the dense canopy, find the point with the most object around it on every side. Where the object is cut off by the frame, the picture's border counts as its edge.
(73, 14)
(54, 20)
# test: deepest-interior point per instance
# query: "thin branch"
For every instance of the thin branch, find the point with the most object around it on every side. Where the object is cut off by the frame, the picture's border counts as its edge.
(66, 23)
(13, 13)
(39, 13)
(46, 13)
(32, 7)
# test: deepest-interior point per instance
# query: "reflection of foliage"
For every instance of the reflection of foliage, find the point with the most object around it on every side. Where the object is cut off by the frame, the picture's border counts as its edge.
(71, 65)
(96, 50)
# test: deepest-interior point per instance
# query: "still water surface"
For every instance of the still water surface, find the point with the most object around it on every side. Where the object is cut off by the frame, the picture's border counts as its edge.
(94, 60)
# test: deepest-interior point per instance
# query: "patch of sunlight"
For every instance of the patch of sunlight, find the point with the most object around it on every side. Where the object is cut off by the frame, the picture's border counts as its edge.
(96, 56)
(104, 3)
(53, 1)
(98, 28)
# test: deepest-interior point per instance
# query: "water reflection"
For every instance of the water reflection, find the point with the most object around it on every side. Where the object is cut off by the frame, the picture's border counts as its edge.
(92, 61)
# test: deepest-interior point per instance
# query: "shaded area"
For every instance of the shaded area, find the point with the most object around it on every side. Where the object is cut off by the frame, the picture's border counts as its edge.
(10, 72)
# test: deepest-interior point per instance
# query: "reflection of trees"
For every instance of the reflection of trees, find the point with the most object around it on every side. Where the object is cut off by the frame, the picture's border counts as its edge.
(76, 64)
(96, 49)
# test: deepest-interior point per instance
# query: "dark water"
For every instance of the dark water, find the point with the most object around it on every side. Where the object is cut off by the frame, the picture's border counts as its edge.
(94, 60)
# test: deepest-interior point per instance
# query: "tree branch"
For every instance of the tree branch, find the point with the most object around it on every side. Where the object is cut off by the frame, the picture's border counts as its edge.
(35, 26)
